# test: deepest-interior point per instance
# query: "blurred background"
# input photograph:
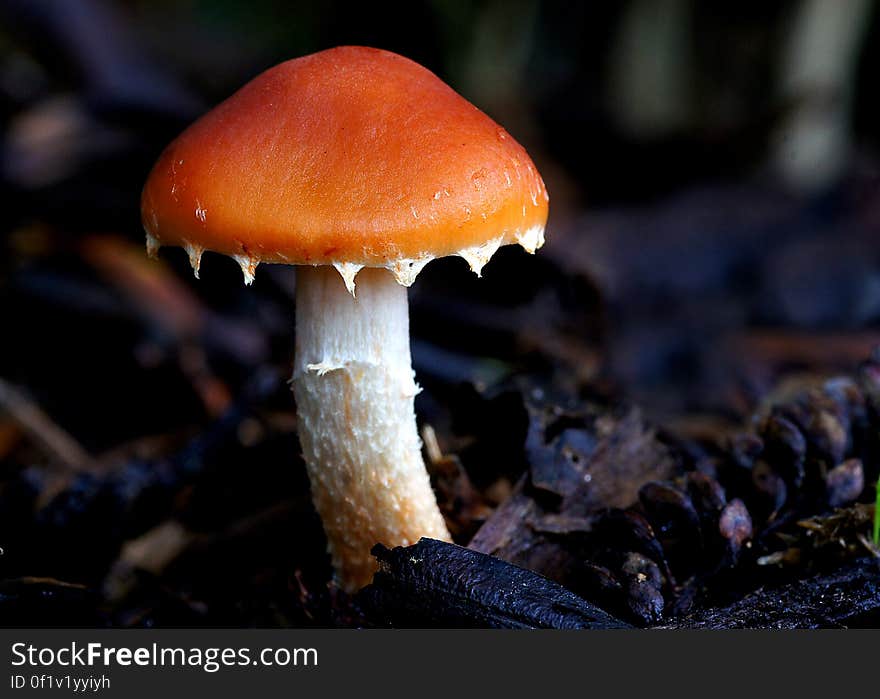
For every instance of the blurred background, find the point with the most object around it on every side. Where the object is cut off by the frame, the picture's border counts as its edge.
(714, 179)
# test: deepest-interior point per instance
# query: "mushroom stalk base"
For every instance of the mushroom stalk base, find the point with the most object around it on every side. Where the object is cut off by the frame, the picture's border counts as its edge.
(354, 389)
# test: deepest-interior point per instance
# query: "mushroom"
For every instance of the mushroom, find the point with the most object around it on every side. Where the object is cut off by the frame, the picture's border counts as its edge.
(360, 166)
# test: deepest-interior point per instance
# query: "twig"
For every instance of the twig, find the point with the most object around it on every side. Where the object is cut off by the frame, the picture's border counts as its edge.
(40, 427)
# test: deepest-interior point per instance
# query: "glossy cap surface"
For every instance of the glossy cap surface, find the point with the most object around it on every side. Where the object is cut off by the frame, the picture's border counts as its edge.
(353, 157)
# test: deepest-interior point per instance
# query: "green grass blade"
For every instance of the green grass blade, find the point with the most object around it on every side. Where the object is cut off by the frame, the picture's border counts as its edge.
(877, 516)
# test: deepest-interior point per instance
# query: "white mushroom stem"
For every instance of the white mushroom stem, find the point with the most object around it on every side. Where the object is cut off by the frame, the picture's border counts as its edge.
(354, 388)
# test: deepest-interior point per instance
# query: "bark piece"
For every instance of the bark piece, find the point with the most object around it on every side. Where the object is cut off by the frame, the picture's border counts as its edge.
(433, 583)
(849, 596)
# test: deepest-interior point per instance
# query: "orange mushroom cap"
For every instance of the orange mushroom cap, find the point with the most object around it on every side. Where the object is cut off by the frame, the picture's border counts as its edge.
(351, 156)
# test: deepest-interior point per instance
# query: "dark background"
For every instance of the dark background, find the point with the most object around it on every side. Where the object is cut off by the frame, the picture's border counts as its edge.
(714, 213)
(675, 138)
